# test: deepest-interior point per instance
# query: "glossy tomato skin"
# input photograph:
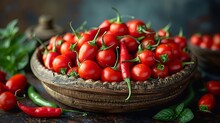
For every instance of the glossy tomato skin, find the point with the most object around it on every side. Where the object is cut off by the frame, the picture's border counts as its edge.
(50, 58)
(206, 42)
(184, 56)
(2, 76)
(105, 24)
(175, 66)
(61, 64)
(7, 101)
(133, 26)
(195, 39)
(140, 72)
(69, 37)
(131, 43)
(89, 70)
(109, 40)
(59, 40)
(85, 37)
(2, 88)
(180, 41)
(68, 49)
(16, 82)
(119, 29)
(175, 50)
(159, 71)
(87, 52)
(207, 100)
(110, 75)
(106, 58)
(213, 87)
(147, 57)
(164, 53)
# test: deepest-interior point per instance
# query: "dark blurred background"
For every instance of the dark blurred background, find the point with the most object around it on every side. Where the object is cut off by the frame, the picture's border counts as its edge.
(192, 15)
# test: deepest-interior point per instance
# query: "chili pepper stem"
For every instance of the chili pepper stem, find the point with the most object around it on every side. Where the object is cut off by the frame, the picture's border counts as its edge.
(93, 42)
(74, 111)
(128, 81)
(136, 59)
(187, 63)
(118, 15)
(76, 33)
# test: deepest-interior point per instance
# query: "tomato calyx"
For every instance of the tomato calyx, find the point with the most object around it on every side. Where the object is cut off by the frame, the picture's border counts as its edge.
(104, 46)
(93, 42)
(63, 71)
(164, 58)
(160, 66)
(204, 108)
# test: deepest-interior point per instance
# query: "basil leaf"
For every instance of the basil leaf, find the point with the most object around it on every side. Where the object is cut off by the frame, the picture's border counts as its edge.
(186, 116)
(30, 45)
(179, 108)
(165, 115)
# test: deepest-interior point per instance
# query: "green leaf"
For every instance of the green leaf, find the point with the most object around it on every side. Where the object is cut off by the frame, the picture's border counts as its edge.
(186, 116)
(22, 60)
(165, 115)
(30, 45)
(179, 108)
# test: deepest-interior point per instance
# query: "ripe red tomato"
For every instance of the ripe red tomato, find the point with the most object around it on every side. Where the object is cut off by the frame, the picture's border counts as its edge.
(119, 29)
(7, 101)
(136, 28)
(167, 40)
(164, 32)
(216, 39)
(2, 88)
(147, 57)
(106, 58)
(87, 52)
(105, 24)
(73, 71)
(84, 37)
(159, 71)
(109, 40)
(196, 39)
(131, 43)
(61, 64)
(206, 41)
(89, 70)
(59, 40)
(175, 49)
(69, 37)
(2, 76)
(16, 82)
(208, 100)
(213, 87)
(148, 42)
(175, 66)
(180, 41)
(164, 53)
(110, 75)
(140, 72)
(68, 49)
(48, 63)
(184, 56)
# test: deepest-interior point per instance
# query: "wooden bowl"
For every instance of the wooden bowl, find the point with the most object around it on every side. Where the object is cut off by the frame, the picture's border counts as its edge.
(208, 60)
(100, 96)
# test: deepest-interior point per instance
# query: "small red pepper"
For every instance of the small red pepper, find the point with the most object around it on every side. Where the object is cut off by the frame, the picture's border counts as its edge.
(213, 87)
(125, 67)
(44, 111)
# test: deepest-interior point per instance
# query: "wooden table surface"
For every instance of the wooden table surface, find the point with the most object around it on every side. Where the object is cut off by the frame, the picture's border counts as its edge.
(16, 116)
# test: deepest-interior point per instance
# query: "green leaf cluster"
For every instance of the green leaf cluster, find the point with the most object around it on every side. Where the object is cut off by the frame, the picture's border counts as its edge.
(180, 113)
(14, 49)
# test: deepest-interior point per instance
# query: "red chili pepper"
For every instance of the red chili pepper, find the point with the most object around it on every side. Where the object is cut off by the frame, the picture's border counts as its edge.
(125, 67)
(44, 111)
(213, 87)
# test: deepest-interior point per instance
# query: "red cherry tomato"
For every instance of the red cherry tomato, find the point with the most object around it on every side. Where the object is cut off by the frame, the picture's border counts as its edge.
(89, 70)
(140, 72)
(216, 39)
(131, 43)
(106, 58)
(2, 88)
(180, 41)
(164, 53)
(213, 87)
(59, 40)
(110, 75)
(69, 37)
(85, 37)
(147, 57)
(50, 58)
(159, 71)
(184, 56)
(206, 41)
(119, 29)
(136, 28)
(87, 52)
(147, 42)
(167, 40)
(7, 101)
(175, 66)
(105, 24)
(109, 40)
(68, 49)
(196, 39)
(208, 101)
(175, 50)
(16, 82)
(215, 47)
(164, 32)
(2, 76)
(73, 71)
(61, 64)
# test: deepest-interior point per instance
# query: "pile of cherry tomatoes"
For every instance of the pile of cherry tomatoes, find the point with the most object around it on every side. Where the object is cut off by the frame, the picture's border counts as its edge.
(206, 41)
(117, 50)
(9, 88)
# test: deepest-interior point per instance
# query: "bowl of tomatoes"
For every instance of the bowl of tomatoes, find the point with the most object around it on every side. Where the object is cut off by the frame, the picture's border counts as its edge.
(207, 49)
(116, 67)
